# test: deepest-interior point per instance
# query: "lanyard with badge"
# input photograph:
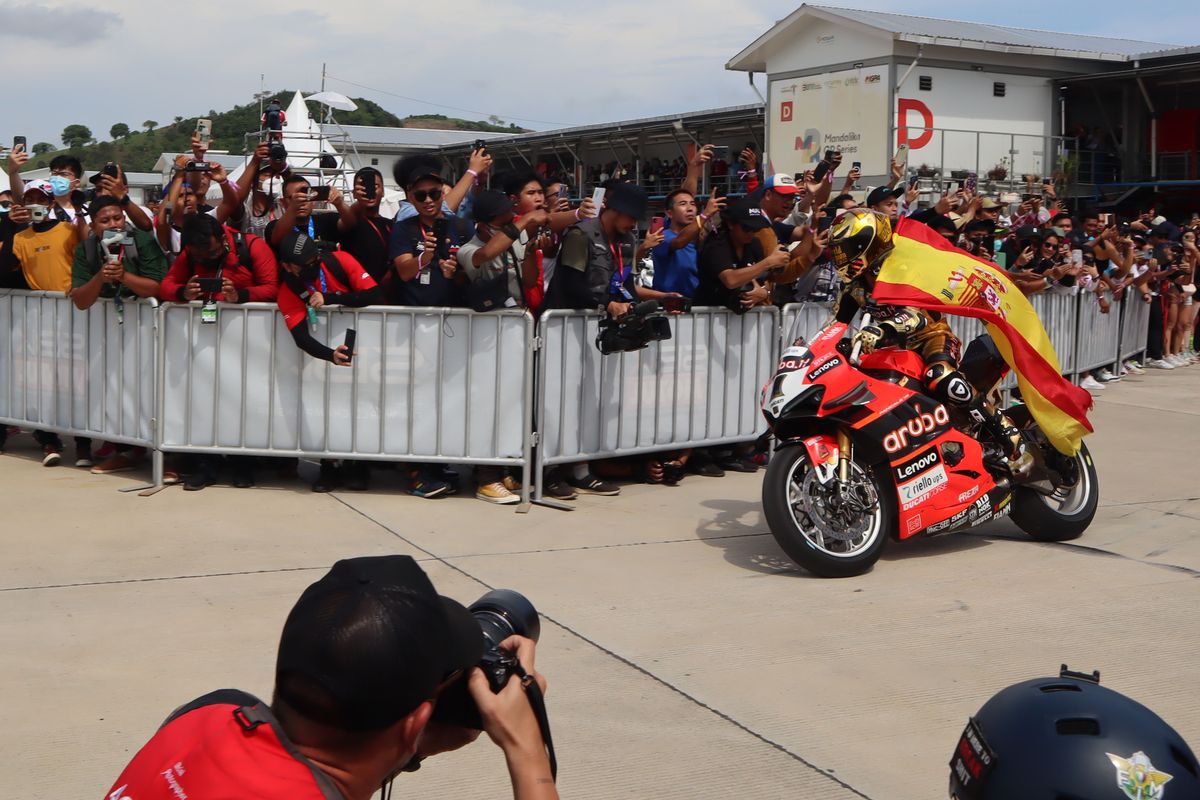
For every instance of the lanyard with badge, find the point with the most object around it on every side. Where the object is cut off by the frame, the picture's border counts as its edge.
(208, 311)
(425, 273)
(309, 310)
(617, 285)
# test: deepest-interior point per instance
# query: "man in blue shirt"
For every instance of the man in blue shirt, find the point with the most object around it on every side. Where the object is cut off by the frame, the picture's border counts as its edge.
(675, 258)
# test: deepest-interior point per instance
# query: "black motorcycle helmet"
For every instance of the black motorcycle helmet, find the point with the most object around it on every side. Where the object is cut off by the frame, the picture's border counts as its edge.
(1069, 738)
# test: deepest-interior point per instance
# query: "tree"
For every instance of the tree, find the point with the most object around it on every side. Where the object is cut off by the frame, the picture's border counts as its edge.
(41, 148)
(76, 135)
(178, 120)
(149, 125)
(495, 120)
(119, 131)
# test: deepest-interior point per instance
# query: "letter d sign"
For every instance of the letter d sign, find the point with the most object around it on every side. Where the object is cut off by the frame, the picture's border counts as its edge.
(785, 111)
(903, 135)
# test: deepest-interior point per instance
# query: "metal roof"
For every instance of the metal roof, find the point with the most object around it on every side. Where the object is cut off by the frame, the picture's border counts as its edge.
(646, 123)
(405, 137)
(954, 33)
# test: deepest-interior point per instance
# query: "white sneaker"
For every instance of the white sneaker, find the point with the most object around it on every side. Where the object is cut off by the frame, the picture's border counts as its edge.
(1133, 367)
(1158, 363)
(1104, 376)
(1176, 360)
(1091, 384)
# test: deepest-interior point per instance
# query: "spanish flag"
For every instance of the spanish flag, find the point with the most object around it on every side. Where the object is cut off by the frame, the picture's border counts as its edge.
(926, 271)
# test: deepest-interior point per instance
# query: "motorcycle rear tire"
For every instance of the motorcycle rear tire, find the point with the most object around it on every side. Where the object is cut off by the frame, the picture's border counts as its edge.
(1045, 524)
(794, 542)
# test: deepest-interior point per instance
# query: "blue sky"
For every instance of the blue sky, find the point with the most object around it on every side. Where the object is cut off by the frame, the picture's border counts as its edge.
(554, 62)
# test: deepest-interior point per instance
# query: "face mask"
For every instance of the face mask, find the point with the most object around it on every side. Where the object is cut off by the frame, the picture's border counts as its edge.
(212, 262)
(4, 207)
(37, 213)
(309, 273)
(60, 185)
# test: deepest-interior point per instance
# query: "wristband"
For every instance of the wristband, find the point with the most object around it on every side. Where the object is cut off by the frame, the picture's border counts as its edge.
(229, 182)
(510, 230)
(473, 174)
(577, 215)
(124, 201)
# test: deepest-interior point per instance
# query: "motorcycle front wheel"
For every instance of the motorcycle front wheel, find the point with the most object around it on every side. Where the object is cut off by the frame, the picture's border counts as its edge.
(822, 530)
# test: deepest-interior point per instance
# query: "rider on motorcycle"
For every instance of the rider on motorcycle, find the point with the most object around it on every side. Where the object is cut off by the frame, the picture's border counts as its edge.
(859, 242)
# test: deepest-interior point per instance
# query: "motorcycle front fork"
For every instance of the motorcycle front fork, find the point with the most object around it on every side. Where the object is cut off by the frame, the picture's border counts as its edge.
(845, 455)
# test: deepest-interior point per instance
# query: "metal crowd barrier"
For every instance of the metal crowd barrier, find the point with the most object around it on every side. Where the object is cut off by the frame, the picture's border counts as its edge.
(427, 385)
(1135, 324)
(1097, 343)
(82, 373)
(430, 384)
(699, 388)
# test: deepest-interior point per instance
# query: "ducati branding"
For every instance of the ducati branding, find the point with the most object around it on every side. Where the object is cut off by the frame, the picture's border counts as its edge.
(967, 495)
(821, 370)
(926, 485)
(906, 471)
(915, 428)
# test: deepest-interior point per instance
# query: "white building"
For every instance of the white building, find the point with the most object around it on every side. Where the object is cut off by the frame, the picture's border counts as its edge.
(963, 96)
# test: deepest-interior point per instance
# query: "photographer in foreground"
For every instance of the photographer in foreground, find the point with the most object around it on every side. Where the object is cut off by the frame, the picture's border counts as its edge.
(365, 654)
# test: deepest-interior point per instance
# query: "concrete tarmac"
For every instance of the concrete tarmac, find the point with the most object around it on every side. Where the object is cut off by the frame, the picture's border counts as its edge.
(687, 656)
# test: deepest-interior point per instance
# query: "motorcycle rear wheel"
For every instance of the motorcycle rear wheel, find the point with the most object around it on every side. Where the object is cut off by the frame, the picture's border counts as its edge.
(788, 483)
(1064, 516)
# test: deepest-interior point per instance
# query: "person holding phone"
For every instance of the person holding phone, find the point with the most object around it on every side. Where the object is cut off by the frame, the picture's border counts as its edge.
(312, 279)
(367, 240)
(675, 268)
(422, 247)
(298, 216)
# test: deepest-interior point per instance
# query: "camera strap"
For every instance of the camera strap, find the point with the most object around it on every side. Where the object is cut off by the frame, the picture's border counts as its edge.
(537, 701)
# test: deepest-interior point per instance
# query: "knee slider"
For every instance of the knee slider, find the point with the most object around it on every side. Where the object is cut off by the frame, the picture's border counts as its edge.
(948, 384)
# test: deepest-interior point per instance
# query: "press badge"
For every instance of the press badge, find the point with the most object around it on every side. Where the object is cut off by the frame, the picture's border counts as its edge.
(208, 312)
(426, 277)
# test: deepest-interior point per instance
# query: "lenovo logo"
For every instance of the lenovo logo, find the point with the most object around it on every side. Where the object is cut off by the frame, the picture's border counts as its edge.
(915, 428)
(821, 370)
(906, 471)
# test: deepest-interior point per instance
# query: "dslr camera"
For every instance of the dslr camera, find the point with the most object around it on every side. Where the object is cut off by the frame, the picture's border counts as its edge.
(501, 613)
(645, 323)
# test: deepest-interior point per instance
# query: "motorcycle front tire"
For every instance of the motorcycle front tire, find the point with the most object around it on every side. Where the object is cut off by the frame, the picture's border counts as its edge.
(793, 541)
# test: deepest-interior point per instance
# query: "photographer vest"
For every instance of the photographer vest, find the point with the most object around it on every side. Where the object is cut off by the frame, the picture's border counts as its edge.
(587, 265)
(224, 744)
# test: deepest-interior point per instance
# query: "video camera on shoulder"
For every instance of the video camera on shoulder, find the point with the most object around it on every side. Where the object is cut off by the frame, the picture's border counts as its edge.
(645, 323)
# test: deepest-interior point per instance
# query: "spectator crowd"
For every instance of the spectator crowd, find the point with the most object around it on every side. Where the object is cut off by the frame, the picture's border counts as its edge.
(491, 241)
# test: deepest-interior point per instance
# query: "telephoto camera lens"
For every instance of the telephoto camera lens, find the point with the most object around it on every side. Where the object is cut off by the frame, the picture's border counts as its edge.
(501, 613)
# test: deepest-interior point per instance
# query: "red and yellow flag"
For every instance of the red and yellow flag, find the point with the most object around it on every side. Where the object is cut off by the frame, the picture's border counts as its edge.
(926, 271)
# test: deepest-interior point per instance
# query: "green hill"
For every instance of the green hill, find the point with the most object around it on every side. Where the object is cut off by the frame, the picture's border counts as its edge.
(442, 122)
(138, 151)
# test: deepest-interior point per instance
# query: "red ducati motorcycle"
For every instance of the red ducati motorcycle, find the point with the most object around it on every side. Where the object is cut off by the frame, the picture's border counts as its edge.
(864, 454)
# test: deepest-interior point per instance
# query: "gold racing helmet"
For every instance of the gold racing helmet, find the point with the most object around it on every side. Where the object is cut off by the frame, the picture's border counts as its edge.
(859, 239)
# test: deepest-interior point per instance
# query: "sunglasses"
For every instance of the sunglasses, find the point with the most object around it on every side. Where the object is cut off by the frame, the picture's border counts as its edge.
(421, 195)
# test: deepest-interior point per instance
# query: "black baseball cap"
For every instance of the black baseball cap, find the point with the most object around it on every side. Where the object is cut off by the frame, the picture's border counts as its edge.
(746, 214)
(881, 193)
(627, 198)
(411, 169)
(298, 248)
(371, 641)
(491, 204)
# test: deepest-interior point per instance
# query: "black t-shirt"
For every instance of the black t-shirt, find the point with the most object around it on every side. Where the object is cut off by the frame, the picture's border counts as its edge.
(323, 228)
(11, 276)
(368, 242)
(716, 256)
(429, 287)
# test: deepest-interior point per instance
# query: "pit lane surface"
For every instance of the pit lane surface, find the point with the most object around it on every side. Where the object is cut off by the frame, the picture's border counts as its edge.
(687, 657)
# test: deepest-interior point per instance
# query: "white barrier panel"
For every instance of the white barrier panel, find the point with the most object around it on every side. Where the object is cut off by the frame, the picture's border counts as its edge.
(701, 387)
(427, 384)
(83, 373)
(1096, 342)
(1135, 324)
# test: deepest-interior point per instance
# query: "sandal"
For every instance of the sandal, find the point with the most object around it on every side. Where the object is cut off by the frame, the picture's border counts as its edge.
(649, 468)
(672, 472)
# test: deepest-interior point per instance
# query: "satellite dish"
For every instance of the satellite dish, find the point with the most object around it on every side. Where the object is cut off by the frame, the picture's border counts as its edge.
(333, 100)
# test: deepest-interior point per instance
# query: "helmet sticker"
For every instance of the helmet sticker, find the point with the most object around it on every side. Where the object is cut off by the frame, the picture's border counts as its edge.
(1138, 778)
(972, 759)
